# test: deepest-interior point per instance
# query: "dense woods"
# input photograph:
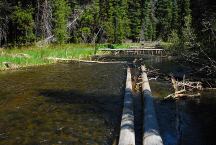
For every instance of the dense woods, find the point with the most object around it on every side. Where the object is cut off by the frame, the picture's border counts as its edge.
(190, 22)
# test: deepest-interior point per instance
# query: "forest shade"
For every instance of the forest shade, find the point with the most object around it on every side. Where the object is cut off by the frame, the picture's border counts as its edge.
(113, 21)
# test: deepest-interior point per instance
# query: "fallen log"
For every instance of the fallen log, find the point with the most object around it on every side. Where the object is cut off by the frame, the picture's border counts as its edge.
(151, 134)
(177, 96)
(127, 133)
(191, 85)
(56, 59)
(187, 95)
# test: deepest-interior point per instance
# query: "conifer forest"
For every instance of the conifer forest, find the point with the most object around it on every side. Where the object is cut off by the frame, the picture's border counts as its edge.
(114, 21)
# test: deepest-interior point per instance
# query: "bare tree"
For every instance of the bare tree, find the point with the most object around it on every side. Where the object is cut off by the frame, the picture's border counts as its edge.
(4, 19)
(44, 18)
(3, 29)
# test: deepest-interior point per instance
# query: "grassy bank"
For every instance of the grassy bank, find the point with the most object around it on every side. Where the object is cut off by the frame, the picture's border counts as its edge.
(30, 56)
(35, 55)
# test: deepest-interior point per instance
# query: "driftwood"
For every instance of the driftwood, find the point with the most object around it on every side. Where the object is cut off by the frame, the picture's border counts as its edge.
(177, 96)
(153, 78)
(56, 59)
(184, 88)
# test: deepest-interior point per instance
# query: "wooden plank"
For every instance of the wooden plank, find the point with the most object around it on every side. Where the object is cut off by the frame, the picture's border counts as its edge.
(127, 134)
(151, 134)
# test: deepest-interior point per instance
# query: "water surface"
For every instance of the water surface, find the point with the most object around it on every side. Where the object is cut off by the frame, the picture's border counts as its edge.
(81, 104)
(190, 121)
(73, 104)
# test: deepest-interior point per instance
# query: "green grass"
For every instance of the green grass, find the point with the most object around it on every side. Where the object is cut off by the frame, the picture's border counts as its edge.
(115, 46)
(166, 45)
(39, 55)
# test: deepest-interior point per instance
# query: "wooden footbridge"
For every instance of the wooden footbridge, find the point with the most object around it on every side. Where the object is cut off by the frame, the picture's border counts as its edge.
(150, 134)
(134, 51)
(147, 48)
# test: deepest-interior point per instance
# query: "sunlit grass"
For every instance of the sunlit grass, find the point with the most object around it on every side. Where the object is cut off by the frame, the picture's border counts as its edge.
(39, 55)
(115, 46)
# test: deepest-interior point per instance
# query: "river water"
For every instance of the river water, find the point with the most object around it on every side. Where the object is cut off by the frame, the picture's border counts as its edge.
(190, 121)
(81, 104)
(61, 104)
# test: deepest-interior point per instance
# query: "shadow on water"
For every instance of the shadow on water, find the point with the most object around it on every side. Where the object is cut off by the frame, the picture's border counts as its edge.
(106, 105)
(77, 104)
(81, 104)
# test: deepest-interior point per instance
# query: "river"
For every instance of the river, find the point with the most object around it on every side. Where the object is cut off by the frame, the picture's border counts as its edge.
(81, 104)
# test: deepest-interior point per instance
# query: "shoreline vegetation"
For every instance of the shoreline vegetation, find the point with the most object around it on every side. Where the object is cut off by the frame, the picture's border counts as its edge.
(15, 58)
(34, 56)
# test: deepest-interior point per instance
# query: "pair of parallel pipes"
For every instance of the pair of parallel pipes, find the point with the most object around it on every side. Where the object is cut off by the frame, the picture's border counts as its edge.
(151, 134)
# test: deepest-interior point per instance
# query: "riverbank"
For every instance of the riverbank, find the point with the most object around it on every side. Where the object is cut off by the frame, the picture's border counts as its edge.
(34, 55)
(14, 58)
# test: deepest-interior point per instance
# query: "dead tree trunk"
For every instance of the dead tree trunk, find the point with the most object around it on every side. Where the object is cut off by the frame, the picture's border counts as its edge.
(4, 20)
(44, 18)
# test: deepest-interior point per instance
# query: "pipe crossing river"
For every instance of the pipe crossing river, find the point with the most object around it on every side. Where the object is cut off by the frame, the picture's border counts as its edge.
(150, 130)
(127, 134)
(151, 134)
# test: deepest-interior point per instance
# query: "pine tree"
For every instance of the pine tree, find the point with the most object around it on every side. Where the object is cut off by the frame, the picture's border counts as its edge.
(90, 22)
(104, 17)
(148, 22)
(185, 32)
(61, 12)
(164, 16)
(134, 15)
(175, 16)
(23, 24)
(118, 22)
(104, 10)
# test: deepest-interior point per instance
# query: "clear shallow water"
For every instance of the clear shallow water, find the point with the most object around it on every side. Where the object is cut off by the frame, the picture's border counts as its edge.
(81, 104)
(73, 104)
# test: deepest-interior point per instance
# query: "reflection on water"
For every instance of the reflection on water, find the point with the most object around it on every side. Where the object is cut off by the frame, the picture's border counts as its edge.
(61, 104)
